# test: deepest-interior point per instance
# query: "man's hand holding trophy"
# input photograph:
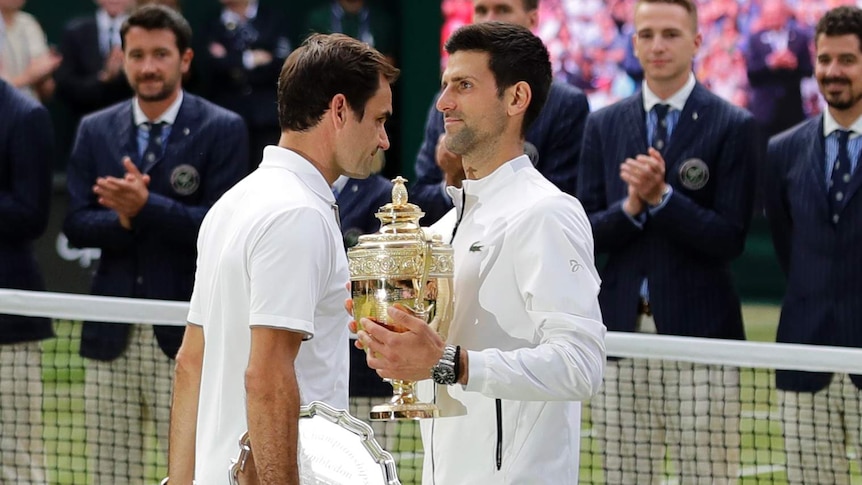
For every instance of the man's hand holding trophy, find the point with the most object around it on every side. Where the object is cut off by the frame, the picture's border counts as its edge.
(401, 281)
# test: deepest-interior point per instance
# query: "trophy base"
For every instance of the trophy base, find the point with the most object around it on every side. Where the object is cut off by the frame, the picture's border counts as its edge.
(394, 412)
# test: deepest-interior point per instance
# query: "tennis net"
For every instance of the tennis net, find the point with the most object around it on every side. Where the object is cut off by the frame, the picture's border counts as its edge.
(672, 409)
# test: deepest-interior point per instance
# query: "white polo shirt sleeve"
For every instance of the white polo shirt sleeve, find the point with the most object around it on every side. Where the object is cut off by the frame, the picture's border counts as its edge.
(289, 263)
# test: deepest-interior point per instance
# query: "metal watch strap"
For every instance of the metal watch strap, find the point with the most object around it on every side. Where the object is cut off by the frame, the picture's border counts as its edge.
(444, 372)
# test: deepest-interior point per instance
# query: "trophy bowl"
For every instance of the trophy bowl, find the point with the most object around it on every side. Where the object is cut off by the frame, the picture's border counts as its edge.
(402, 264)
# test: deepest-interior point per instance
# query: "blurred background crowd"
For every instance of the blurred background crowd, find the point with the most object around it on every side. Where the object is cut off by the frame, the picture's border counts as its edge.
(590, 43)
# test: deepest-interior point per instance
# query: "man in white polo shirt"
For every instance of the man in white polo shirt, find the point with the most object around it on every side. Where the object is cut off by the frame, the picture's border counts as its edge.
(267, 330)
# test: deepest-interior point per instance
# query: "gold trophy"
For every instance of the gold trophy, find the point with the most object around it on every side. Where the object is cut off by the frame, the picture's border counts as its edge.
(402, 263)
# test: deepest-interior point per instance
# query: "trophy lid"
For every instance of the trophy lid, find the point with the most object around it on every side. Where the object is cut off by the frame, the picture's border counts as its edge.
(399, 216)
(398, 249)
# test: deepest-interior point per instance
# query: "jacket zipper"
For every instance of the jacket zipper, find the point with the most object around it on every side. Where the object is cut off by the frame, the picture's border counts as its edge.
(499, 434)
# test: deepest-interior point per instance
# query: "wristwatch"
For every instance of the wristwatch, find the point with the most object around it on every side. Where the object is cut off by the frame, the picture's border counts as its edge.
(443, 372)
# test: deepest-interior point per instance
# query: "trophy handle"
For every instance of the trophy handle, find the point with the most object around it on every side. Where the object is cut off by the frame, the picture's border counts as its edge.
(421, 310)
(242, 469)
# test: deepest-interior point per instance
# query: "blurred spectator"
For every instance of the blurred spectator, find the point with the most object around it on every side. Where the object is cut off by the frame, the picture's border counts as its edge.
(722, 68)
(142, 175)
(91, 75)
(456, 14)
(357, 18)
(582, 52)
(814, 210)
(667, 221)
(174, 4)
(26, 151)
(778, 58)
(245, 47)
(26, 62)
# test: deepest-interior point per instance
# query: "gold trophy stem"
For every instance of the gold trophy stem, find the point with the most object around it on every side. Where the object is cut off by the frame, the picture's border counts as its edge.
(403, 405)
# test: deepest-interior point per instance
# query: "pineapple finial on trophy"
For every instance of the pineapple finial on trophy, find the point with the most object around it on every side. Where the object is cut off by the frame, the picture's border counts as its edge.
(399, 191)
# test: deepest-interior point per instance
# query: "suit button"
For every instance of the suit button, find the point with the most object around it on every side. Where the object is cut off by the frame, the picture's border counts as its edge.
(140, 280)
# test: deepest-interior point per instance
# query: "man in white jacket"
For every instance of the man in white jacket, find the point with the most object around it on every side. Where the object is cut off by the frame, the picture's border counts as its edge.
(526, 344)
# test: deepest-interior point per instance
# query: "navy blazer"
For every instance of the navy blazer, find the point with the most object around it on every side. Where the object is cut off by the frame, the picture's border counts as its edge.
(685, 248)
(556, 133)
(776, 98)
(26, 158)
(230, 84)
(358, 202)
(77, 78)
(206, 153)
(821, 260)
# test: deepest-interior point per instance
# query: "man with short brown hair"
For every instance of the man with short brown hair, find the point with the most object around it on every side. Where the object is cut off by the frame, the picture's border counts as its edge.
(267, 330)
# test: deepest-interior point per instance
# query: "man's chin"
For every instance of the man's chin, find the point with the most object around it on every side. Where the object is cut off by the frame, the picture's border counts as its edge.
(155, 97)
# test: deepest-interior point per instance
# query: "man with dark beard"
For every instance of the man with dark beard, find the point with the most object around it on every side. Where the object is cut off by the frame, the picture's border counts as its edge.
(142, 175)
(815, 214)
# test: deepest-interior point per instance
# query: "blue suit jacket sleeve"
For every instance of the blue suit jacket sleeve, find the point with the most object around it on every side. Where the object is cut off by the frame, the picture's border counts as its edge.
(25, 202)
(776, 202)
(612, 229)
(557, 134)
(88, 224)
(427, 192)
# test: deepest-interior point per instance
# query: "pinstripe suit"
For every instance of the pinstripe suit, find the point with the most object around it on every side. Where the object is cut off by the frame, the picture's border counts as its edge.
(26, 150)
(822, 303)
(556, 134)
(128, 379)
(683, 250)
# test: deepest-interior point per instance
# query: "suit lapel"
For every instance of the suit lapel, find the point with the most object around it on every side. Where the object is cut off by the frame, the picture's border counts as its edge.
(693, 114)
(816, 159)
(127, 134)
(855, 183)
(634, 119)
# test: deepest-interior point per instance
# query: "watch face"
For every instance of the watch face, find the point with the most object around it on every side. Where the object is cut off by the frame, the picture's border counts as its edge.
(443, 374)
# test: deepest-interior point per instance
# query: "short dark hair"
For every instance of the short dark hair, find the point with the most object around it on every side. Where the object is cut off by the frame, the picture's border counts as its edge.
(515, 55)
(688, 5)
(840, 21)
(530, 5)
(323, 66)
(159, 17)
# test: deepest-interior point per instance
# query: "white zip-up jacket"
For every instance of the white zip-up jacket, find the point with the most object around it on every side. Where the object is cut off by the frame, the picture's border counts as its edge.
(527, 313)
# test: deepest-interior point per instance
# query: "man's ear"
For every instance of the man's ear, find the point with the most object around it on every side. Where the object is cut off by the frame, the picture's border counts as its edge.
(186, 60)
(339, 110)
(519, 97)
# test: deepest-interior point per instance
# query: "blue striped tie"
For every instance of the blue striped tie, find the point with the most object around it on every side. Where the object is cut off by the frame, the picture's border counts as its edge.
(840, 177)
(660, 135)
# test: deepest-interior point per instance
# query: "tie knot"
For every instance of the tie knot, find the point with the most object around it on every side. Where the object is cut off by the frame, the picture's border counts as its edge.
(843, 136)
(155, 131)
(661, 110)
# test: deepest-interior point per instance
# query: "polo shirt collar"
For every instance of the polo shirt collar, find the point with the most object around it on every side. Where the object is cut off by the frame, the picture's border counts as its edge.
(280, 157)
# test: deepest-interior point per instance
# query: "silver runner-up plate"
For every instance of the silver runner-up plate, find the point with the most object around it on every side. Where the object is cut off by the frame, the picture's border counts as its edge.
(335, 448)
